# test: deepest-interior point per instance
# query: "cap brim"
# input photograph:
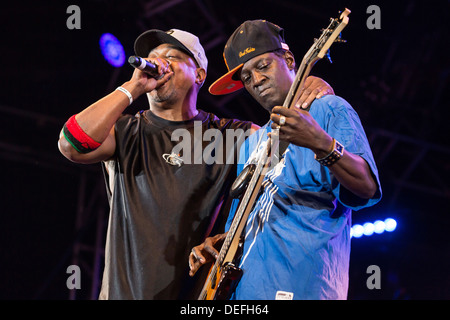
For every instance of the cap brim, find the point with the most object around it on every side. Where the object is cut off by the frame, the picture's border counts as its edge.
(150, 39)
(226, 84)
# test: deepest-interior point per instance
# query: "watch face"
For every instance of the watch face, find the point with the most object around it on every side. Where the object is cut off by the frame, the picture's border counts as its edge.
(335, 155)
(339, 148)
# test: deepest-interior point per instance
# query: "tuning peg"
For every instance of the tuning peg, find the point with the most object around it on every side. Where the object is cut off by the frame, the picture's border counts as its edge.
(339, 39)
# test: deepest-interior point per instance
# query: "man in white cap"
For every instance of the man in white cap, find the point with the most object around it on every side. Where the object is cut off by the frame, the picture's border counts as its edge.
(161, 202)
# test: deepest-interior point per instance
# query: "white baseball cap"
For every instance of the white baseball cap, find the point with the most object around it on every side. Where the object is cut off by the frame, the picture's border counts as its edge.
(184, 40)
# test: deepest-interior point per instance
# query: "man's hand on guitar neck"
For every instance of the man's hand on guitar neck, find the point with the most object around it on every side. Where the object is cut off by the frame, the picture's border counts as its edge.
(205, 252)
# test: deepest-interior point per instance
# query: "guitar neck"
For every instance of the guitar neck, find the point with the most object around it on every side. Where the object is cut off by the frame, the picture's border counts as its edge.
(294, 92)
(230, 245)
(302, 73)
(236, 227)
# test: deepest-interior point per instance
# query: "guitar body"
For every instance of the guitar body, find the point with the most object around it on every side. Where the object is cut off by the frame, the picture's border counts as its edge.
(225, 280)
(224, 275)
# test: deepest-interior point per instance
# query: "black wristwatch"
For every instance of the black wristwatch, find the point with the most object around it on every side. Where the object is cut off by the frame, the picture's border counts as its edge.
(336, 153)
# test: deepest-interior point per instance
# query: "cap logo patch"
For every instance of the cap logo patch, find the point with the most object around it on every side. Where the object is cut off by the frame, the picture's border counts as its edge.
(246, 51)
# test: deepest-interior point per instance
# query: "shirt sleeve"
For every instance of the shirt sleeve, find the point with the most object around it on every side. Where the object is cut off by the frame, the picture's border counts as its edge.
(343, 123)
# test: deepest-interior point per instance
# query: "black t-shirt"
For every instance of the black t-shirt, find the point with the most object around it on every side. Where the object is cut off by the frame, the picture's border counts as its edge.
(166, 185)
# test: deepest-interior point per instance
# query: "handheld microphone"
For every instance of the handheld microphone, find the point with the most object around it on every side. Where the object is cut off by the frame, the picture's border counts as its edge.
(149, 68)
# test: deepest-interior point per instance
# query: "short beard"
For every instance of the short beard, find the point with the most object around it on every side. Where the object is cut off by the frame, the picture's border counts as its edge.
(160, 96)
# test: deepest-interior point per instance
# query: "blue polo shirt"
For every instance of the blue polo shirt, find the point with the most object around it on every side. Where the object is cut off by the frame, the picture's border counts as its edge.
(297, 238)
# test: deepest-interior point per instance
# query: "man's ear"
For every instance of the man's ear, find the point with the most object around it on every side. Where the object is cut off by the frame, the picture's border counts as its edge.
(200, 76)
(290, 60)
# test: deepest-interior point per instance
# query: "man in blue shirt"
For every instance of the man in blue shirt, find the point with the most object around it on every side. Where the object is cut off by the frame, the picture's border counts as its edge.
(297, 237)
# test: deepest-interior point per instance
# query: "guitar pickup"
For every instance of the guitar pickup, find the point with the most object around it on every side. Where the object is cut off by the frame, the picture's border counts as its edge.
(228, 282)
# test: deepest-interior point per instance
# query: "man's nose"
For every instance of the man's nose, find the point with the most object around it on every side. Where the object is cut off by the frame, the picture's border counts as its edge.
(258, 79)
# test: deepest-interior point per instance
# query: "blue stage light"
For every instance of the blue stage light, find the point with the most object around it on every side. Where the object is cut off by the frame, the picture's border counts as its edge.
(112, 50)
(369, 228)
(379, 226)
(391, 224)
(357, 231)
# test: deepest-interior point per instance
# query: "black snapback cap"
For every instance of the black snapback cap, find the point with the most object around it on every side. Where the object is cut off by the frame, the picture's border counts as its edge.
(250, 39)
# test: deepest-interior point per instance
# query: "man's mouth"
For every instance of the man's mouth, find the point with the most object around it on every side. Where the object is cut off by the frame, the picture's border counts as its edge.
(264, 91)
(164, 84)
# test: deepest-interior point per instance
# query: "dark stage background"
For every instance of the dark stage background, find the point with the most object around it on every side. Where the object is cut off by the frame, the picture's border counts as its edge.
(53, 212)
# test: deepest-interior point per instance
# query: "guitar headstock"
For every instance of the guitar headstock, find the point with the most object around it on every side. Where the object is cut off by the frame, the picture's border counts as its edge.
(331, 34)
(317, 51)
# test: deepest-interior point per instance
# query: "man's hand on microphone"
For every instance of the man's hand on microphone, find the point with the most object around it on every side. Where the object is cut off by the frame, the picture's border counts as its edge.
(146, 83)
